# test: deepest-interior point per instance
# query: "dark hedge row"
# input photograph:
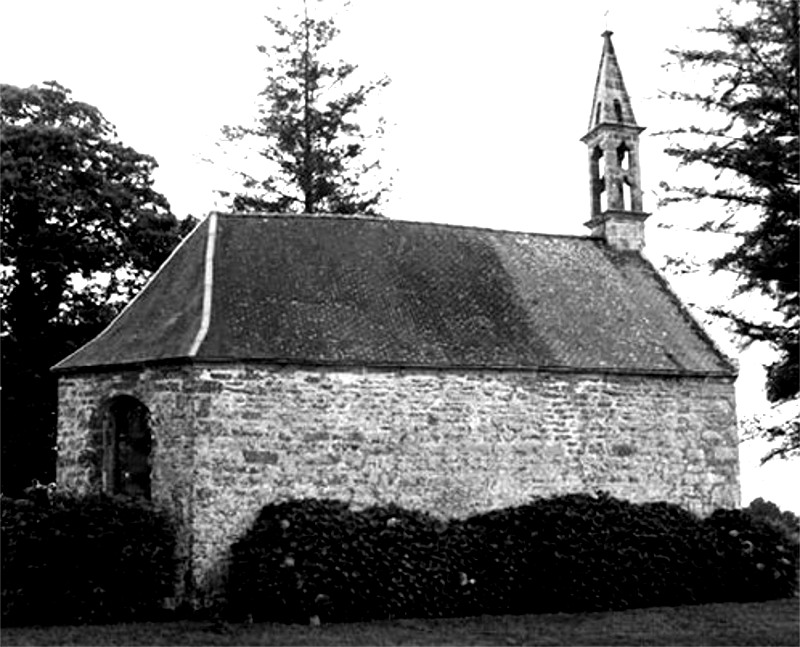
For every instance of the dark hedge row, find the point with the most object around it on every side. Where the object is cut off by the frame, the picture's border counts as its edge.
(320, 558)
(68, 560)
(785, 521)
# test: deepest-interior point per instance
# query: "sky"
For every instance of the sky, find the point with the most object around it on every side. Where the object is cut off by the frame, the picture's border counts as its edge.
(484, 113)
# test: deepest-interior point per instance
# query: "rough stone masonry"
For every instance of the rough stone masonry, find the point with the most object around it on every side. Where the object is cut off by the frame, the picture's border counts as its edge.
(448, 442)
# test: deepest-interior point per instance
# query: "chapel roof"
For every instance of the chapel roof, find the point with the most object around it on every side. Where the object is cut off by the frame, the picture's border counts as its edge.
(326, 290)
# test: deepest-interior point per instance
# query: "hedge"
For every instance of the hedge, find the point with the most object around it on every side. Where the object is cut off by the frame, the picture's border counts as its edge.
(322, 560)
(69, 559)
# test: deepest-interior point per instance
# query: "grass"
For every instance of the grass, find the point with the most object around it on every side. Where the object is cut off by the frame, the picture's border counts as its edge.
(763, 623)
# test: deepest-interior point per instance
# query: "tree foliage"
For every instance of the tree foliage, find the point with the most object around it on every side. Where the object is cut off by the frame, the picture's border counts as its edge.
(785, 521)
(753, 150)
(82, 228)
(306, 129)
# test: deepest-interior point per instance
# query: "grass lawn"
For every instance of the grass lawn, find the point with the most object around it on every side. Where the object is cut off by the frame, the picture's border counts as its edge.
(765, 623)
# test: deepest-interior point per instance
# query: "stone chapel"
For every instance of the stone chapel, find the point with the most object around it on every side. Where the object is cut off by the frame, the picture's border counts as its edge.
(445, 368)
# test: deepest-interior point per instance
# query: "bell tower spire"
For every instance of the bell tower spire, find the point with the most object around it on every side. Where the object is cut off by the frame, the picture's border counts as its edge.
(613, 143)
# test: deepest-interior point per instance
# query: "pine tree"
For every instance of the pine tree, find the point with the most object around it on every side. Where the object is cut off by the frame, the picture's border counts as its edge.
(755, 156)
(306, 130)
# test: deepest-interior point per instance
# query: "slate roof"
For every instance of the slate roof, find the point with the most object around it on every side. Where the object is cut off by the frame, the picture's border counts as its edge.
(317, 290)
(609, 89)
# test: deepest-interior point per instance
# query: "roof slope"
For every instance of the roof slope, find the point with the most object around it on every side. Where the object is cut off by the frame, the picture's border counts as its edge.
(611, 103)
(375, 292)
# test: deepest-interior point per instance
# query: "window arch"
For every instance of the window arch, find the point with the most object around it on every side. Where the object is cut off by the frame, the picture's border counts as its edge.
(627, 194)
(598, 171)
(618, 110)
(624, 156)
(127, 443)
(599, 158)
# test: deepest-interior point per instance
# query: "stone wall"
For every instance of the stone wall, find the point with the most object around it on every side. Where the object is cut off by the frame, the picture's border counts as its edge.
(170, 399)
(230, 439)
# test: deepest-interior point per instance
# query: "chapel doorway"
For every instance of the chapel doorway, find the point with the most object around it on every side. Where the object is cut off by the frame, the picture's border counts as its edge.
(127, 444)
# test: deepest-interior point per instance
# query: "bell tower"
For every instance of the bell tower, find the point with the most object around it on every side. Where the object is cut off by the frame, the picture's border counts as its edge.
(613, 143)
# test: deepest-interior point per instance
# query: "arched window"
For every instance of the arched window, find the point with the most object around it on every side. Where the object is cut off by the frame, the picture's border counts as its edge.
(618, 110)
(623, 156)
(627, 195)
(126, 447)
(600, 159)
(599, 195)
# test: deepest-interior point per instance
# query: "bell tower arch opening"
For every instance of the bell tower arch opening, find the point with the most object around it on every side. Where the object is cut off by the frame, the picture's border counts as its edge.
(627, 195)
(624, 156)
(597, 170)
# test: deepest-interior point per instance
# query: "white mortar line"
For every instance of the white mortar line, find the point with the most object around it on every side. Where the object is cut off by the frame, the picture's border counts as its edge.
(208, 285)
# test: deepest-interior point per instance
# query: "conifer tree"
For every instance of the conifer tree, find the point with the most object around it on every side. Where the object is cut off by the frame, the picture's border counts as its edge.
(306, 131)
(754, 153)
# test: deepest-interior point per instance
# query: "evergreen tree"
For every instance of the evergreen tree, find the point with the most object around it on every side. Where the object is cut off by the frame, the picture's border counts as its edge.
(306, 129)
(754, 153)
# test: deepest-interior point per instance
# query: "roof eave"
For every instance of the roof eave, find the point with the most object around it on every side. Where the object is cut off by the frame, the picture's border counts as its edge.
(388, 365)
(611, 125)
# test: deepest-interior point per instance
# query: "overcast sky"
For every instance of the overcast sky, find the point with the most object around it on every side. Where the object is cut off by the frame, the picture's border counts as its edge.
(486, 108)
(493, 96)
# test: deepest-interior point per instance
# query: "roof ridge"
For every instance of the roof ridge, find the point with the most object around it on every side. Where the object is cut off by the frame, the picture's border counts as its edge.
(208, 284)
(383, 219)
